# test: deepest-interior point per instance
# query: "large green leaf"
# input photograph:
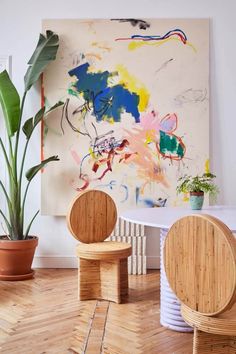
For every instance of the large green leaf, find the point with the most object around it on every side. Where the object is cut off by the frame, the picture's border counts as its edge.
(31, 123)
(45, 52)
(39, 116)
(35, 169)
(28, 127)
(10, 102)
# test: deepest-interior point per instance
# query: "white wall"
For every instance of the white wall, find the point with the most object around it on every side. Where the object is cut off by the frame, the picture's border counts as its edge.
(20, 24)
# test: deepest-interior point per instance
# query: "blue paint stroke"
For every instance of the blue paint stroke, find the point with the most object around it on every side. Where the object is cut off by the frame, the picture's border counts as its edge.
(176, 32)
(111, 185)
(167, 35)
(107, 101)
(150, 203)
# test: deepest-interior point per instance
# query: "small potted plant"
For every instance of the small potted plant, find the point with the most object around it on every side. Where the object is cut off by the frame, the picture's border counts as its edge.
(17, 246)
(196, 186)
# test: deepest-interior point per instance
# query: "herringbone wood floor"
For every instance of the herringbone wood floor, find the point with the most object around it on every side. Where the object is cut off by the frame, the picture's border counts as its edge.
(43, 316)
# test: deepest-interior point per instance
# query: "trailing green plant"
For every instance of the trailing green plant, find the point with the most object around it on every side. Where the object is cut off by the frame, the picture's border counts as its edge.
(13, 109)
(203, 183)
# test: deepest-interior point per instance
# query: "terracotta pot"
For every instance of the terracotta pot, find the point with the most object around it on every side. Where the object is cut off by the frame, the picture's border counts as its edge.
(196, 200)
(16, 258)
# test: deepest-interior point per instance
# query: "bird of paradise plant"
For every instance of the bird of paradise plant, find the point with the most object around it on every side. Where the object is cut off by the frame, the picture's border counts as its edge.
(13, 110)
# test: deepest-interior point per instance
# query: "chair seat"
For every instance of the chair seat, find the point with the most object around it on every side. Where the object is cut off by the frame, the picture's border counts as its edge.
(222, 324)
(104, 250)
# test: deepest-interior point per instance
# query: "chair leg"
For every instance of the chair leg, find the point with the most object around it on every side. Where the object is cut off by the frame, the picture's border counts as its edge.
(124, 277)
(106, 280)
(88, 279)
(207, 343)
(114, 280)
(110, 280)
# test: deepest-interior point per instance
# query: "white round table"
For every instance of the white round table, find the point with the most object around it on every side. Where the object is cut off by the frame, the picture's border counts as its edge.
(164, 218)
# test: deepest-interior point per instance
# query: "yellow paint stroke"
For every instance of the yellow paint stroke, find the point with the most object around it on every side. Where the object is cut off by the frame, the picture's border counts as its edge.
(150, 136)
(133, 85)
(137, 44)
(207, 166)
(92, 153)
(185, 197)
(110, 120)
(97, 56)
(101, 46)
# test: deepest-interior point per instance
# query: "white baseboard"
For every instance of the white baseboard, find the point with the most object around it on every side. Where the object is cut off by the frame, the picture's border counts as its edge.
(55, 262)
(71, 262)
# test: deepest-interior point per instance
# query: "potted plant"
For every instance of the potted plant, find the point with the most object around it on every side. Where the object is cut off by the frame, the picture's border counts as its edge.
(17, 246)
(196, 186)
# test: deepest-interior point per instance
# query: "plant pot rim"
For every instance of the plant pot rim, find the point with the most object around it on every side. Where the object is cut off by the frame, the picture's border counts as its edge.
(197, 193)
(4, 238)
(18, 244)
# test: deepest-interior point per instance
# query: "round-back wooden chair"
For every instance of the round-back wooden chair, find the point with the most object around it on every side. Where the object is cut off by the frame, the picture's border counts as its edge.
(102, 270)
(200, 264)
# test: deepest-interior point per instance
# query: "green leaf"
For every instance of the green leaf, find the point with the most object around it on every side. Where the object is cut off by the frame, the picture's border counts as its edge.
(35, 169)
(30, 224)
(58, 104)
(41, 113)
(8, 225)
(31, 123)
(28, 127)
(10, 102)
(39, 116)
(45, 52)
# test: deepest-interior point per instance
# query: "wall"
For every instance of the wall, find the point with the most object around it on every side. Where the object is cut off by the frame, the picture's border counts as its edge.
(20, 23)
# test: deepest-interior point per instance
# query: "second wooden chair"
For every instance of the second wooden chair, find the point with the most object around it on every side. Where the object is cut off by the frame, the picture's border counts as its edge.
(200, 264)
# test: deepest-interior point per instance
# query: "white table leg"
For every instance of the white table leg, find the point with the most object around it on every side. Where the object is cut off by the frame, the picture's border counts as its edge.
(170, 315)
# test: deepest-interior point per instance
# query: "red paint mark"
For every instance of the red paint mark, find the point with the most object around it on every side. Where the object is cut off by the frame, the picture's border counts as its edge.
(108, 160)
(75, 156)
(42, 121)
(86, 183)
(126, 156)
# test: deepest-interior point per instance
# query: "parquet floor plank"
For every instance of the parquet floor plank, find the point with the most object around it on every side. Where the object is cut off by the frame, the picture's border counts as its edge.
(43, 316)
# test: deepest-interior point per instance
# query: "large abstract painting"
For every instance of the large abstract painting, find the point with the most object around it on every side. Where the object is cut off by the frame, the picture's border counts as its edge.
(135, 115)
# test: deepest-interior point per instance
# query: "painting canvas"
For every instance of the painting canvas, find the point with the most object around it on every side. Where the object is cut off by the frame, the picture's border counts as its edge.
(135, 116)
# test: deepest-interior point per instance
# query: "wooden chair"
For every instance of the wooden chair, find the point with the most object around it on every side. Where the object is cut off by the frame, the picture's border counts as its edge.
(103, 272)
(200, 264)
